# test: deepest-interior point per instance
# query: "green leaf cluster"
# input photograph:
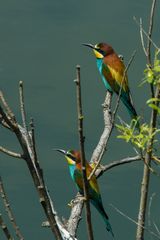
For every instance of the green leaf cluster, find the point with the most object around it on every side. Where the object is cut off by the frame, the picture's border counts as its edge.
(152, 102)
(139, 138)
(152, 73)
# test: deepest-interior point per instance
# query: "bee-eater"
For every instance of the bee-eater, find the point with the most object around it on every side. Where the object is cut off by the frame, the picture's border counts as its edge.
(73, 158)
(112, 71)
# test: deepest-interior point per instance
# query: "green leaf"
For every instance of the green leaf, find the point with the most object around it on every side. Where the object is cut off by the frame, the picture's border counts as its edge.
(155, 107)
(157, 68)
(153, 100)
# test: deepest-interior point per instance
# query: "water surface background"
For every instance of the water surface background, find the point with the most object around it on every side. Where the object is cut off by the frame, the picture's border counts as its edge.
(40, 43)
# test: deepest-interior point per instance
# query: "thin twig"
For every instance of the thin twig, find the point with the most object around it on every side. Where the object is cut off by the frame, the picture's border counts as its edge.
(148, 49)
(10, 153)
(113, 164)
(4, 124)
(7, 120)
(156, 227)
(145, 33)
(83, 161)
(132, 220)
(149, 209)
(9, 211)
(151, 22)
(141, 35)
(5, 229)
(22, 106)
(24, 121)
(33, 139)
(8, 109)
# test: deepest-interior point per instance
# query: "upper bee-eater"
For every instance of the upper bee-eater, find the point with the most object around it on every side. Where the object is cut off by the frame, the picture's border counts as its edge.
(112, 71)
(75, 168)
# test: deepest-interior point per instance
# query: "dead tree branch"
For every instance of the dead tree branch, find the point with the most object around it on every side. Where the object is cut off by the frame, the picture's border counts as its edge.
(9, 211)
(113, 164)
(27, 142)
(10, 153)
(151, 22)
(75, 216)
(5, 229)
(108, 127)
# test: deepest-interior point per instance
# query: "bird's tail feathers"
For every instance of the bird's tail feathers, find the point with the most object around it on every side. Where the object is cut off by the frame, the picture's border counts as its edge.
(126, 99)
(101, 210)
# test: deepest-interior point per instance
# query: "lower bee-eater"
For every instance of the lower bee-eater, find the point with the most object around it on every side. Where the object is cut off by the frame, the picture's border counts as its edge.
(112, 71)
(74, 161)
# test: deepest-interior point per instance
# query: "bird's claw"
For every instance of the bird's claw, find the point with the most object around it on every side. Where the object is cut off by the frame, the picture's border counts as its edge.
(71, 203)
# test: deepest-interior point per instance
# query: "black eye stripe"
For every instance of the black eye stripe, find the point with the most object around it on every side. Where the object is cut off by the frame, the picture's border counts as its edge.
(100, 51)
(71, 156)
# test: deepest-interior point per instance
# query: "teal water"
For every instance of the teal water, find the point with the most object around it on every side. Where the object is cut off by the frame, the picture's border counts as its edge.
(40, 43)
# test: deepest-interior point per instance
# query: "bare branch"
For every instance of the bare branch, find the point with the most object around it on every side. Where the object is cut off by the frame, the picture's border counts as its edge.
(10, 153)
(149, 209)
(4, 124)
(141, 35)
(108, 126)
(33, 139)
(6, 120)
(148, 50)
(157, 229)
(5, 229)
(151, 21)
(83, 161)
(113, 164)
(24, 122)
(22, 107)
(146, 34)
(75, 217)
(5, 104)
(9, 211)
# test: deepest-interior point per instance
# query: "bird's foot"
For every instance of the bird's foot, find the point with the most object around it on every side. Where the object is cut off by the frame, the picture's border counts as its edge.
(81, 198)
(71, 203)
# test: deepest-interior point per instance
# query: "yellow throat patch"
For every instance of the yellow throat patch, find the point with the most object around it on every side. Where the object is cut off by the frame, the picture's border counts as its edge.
(98, 54)
(70, 161)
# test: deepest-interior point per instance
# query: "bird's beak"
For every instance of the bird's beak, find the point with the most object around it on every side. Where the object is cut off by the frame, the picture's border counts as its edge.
(88, 45)
(60, 150)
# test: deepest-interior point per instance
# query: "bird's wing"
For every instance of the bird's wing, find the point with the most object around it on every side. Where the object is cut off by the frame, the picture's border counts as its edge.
(93, 185)
(113, 70)
(78, 179)
(93, 181)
